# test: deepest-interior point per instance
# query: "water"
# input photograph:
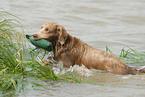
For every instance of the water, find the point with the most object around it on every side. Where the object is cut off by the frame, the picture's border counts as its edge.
(115, 23)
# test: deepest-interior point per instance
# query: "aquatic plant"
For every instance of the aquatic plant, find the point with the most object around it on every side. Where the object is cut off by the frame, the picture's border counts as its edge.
(10, 66)
(130, 56)
(18, 61)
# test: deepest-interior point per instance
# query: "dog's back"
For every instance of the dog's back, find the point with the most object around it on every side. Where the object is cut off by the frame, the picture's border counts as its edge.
(82, 54)
(101, 60)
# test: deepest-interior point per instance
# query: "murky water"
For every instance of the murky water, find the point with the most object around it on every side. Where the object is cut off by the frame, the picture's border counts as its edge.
(115, 23)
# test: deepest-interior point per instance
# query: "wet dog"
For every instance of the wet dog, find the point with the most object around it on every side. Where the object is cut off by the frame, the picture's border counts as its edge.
(71, 50)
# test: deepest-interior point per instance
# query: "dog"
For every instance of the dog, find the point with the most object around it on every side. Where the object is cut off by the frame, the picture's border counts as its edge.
(72, 51)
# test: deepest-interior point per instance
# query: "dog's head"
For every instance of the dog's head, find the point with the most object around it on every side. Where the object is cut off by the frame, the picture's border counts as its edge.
(51, 30)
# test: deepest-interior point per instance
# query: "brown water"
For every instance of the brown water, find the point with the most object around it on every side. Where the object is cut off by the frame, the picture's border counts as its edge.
(115, 23)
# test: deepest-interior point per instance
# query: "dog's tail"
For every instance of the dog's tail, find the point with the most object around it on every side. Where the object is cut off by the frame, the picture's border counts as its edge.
(135, 70)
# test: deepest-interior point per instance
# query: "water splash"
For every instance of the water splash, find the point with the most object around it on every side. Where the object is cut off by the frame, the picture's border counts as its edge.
(81, 70)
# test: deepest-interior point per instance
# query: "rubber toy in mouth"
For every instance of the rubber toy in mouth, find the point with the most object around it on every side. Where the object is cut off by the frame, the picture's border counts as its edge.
(41, 43)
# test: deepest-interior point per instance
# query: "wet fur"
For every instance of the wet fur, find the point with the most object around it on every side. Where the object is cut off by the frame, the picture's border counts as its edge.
(71, 50)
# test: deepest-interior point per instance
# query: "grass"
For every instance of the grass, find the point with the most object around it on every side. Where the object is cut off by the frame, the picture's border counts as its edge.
(130, 56)
(19, 63)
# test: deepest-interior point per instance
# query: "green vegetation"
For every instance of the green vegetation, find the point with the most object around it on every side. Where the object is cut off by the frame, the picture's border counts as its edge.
(20, 65)
(130, 56)
(18, 62)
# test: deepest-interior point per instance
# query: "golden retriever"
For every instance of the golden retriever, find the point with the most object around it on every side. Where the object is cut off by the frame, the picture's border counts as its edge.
(71, 50)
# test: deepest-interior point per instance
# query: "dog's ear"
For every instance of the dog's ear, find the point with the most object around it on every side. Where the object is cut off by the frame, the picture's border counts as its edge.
(62, 34)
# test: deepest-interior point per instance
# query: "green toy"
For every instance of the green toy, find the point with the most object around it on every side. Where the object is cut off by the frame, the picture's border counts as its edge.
(41, 43)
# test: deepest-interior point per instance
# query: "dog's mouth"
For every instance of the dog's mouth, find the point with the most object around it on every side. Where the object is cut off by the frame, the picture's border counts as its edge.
(31, 37)
(35, 37)
(40, 43)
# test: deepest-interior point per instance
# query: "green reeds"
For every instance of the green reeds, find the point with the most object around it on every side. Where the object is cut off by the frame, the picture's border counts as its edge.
(18, 62)
(130, 56)
(11, 69)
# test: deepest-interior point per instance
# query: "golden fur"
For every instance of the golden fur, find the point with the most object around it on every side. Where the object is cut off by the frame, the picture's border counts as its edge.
(71, 50)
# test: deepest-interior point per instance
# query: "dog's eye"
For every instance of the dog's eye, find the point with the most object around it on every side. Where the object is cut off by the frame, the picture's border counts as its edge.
(46, 29)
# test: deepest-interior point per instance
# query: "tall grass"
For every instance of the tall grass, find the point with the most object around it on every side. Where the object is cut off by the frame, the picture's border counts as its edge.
(11, 68)
(130, 56)
(17, 61)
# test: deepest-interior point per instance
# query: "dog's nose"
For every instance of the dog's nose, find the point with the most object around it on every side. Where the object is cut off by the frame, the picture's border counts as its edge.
(35, 36)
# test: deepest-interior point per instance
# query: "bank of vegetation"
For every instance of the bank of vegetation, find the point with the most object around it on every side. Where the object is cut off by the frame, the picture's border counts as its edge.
(19, 64)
